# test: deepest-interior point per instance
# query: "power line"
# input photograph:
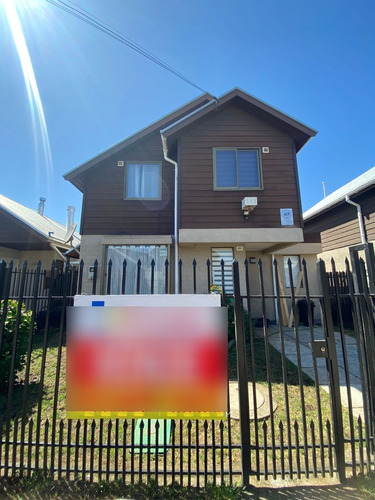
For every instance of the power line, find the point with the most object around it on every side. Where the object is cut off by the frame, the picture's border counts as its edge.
(95, 22)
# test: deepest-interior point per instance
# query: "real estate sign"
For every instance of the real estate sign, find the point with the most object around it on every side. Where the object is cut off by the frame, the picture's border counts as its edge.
(147, 356)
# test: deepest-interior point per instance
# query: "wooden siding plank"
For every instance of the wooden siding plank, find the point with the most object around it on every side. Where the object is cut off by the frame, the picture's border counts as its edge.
(234, 127)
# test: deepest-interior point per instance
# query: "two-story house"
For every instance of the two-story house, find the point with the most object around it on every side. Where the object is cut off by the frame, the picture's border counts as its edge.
(215, 179)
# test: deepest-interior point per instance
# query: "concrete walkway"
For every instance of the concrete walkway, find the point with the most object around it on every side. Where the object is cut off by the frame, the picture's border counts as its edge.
(308, 367)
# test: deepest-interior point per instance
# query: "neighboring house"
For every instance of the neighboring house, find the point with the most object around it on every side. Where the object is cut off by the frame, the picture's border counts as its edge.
(343, 219)
(27, 234)
(223, 150)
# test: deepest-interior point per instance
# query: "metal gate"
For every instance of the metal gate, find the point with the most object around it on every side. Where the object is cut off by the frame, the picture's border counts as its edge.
(293, 388)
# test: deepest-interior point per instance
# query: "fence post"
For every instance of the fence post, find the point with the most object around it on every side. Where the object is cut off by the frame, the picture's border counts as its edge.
(180, 276)
(3, 268)
(242, 376)
(166, 275)
(80, 275)
(370, 263)
(95, 277)
(333, 372)
(109, 277)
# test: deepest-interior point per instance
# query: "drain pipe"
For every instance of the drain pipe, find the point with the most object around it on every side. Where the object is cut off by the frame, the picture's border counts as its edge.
(360, 218)
(166, 158)
(274, 288)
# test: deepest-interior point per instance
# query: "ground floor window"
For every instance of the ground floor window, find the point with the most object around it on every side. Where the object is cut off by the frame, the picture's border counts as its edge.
(225, 254)
(296, 268)
(134, 253)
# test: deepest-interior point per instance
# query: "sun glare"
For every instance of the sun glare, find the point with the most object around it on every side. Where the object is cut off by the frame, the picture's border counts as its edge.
(13, 10)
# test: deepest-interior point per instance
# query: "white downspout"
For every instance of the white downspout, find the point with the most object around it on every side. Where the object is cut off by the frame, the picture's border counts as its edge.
(165, 152)
(360, 219)
(274, 288)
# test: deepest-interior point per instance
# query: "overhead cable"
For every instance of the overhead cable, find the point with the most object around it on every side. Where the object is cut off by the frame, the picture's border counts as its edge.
(95, 22)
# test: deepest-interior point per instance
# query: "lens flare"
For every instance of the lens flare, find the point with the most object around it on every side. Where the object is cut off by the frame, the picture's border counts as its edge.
(40, 131)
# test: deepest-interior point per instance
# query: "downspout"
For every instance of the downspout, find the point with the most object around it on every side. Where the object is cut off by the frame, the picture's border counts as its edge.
(360, 218)
(274, 288)
(175, 237)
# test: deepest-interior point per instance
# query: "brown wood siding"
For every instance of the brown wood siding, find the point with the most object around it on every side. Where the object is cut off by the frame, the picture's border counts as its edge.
(339, 226)
(106, 211)
(203, 207)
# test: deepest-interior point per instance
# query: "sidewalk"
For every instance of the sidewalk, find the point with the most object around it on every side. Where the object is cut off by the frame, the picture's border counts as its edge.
(308, 367)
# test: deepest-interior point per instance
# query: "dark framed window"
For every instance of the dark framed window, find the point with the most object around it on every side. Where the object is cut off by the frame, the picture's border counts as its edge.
(236, 168)
(143, 181)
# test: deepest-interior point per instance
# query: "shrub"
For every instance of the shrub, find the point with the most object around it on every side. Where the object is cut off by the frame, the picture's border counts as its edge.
(7, 341)
(231, 325)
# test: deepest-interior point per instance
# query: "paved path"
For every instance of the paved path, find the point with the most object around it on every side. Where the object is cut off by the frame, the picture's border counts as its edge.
(308, 367)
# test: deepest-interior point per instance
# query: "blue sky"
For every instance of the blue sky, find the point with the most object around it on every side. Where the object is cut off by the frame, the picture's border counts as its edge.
(313, 60)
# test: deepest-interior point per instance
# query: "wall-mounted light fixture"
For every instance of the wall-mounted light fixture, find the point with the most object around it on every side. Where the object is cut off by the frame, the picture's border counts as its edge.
(248, 204)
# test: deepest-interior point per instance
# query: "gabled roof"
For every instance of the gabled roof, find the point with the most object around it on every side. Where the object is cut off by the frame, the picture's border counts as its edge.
(74, 176)
(45, 227)
(300, 132)
(357, 185)
(174, 122)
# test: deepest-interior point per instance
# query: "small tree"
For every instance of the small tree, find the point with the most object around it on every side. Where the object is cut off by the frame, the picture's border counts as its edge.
(7, 340)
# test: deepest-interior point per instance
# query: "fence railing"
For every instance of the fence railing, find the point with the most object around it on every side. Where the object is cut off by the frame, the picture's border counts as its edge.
(306, 431)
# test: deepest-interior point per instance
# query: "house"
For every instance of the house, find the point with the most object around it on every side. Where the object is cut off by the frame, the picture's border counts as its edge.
(27, 234)
(215, 179)
(344, 219)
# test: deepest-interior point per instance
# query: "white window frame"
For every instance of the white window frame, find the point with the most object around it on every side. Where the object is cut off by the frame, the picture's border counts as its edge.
(238, 188)
(296, 268)
(161, 253)
(217, 254)
(156, 163)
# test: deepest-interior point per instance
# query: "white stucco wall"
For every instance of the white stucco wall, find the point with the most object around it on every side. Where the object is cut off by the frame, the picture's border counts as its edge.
(94, 247)
(338, 255)
(32, 257)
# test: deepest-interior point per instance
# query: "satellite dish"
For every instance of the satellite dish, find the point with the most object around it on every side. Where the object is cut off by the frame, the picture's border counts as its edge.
(69, 233)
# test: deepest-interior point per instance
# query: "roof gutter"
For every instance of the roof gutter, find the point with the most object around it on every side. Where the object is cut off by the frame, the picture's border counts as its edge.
(175, 237)
(360, 218)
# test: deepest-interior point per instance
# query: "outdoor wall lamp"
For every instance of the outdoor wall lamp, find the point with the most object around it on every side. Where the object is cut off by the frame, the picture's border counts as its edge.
(248, 204)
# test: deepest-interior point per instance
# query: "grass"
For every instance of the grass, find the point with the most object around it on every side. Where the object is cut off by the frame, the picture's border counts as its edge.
(263, 431)
(47, 488)
(40, 487)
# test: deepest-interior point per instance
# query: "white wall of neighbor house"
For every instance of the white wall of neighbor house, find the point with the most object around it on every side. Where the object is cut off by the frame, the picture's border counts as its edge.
(9, 254)
(45, 256)
(32, 257)
(339, 255)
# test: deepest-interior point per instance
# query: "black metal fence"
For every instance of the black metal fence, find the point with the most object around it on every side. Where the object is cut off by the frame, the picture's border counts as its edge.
(291, 412)
(339, 289)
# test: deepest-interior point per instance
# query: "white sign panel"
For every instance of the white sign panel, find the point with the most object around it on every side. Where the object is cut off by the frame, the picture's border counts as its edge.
(286, 216)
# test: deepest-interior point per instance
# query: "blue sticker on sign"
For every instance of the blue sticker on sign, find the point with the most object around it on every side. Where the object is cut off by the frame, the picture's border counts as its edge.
(97, 303)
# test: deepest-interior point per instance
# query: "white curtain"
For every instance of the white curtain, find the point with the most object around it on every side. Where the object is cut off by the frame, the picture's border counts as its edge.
(142, 180)
(133, 253)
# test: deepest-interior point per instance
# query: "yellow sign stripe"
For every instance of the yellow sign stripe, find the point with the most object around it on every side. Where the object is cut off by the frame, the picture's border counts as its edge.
(184, 415)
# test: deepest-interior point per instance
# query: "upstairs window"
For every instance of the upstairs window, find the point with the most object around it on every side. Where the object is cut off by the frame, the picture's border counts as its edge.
(237, 169)
(143, 181)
